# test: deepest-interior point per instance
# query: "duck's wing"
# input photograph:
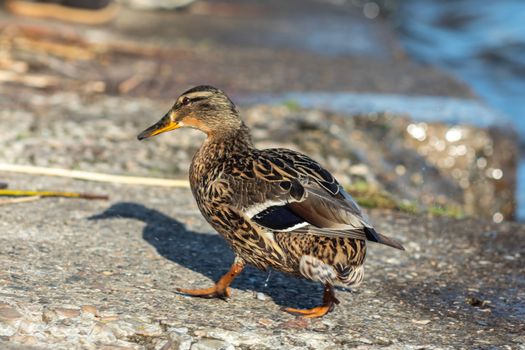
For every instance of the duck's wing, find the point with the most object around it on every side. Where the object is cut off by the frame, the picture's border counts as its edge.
(291, 192)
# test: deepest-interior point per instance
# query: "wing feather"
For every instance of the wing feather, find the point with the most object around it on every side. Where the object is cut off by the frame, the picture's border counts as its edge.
(292, 191)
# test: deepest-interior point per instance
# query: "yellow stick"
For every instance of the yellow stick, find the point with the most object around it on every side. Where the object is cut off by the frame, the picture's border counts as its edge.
(24, 193)
(90, 176)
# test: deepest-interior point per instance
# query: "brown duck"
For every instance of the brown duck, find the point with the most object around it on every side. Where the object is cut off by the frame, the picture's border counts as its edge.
(275, 207)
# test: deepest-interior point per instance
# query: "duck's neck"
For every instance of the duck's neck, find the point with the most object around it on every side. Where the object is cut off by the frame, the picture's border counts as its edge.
(221, 145)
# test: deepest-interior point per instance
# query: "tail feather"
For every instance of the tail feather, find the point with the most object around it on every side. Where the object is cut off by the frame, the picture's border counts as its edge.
(374, 236)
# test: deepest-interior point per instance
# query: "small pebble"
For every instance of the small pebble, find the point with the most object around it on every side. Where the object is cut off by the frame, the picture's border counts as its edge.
(149, 330)
(212, 344)
(89, 309)
(266, 322)
(67, 313)
(365, 340)
(9, 314)
(422, 322)
(23, 339)
(179, 330)
(260, 296)
(111, 318)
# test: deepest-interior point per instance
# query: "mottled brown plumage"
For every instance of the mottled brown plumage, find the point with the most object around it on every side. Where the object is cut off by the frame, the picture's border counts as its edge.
(276, 208)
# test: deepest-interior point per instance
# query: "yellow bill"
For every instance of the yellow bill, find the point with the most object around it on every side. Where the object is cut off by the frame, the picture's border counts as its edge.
(163, 125)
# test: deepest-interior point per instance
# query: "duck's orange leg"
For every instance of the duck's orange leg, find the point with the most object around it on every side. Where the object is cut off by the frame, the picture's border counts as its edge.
(221, 289)
(329, 302)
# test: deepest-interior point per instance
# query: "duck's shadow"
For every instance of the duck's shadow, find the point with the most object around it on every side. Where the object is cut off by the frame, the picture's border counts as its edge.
(209, 255)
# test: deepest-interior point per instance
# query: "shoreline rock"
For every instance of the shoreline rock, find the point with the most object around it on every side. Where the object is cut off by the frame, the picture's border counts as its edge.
(463, 169)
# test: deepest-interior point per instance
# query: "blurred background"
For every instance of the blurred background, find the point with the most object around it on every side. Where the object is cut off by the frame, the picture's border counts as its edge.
(415, 105)
(483, 45)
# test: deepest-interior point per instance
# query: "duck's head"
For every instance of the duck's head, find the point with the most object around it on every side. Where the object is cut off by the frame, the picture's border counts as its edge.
(203, 107)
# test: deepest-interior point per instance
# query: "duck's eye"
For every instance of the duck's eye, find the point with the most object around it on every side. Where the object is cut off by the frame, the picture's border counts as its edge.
(185, 101)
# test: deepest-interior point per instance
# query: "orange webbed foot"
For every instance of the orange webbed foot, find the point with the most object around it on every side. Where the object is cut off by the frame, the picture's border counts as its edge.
(315, 312)
(221, 289)
(329, 302)
(209, 293)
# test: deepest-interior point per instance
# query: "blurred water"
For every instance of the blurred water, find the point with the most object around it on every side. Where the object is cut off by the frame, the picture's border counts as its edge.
(482, 43)
(421, 108)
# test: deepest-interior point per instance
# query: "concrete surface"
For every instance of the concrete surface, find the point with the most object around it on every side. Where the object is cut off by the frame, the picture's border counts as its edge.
(103, 273)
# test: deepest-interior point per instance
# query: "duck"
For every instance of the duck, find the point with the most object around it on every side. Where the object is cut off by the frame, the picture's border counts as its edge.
(276, 208)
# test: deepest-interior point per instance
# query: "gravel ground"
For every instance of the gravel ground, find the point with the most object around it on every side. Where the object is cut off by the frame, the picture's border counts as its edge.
(89, 274)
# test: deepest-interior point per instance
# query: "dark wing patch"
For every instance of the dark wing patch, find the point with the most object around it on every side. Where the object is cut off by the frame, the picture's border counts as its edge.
(374, 236)
(313, 196)
(277, 218)
(371, 234)
(296, 190)
(332, 187)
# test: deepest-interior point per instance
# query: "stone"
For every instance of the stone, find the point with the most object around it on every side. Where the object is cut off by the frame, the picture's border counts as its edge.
(89, 309)
(23, 339)
(316, 340)
(180, 341)
(7, 329)
(421, 322)
(108, 318)
(49, 315)
(149, 330)
(178, 330)
(234, 338)
(8, 314)
(211, 344)
(122, 329)
(67, 313)
(103, 334)
(260, 296)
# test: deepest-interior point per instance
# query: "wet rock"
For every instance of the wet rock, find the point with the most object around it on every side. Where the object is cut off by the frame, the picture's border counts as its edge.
(451, 170)
(459, 170)
(481, 162)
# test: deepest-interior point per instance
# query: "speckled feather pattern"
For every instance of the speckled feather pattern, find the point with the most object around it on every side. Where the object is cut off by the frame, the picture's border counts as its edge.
(277, 208)
(228, 175)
